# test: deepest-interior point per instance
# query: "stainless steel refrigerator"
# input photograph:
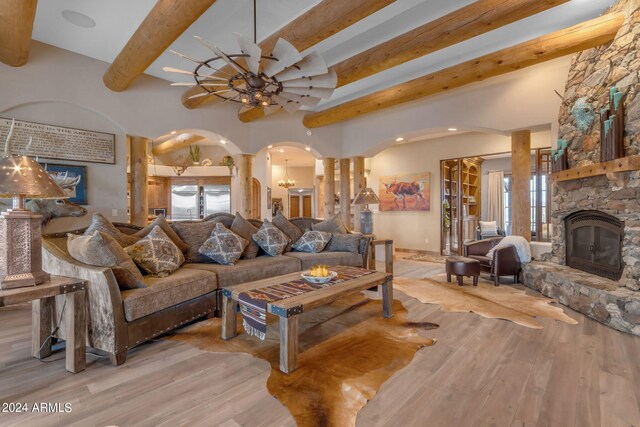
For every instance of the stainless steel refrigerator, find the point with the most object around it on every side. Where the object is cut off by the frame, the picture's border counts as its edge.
(190, 201)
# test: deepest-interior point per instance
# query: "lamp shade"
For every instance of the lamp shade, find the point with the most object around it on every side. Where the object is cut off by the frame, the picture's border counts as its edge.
(366, 197)
(21, 175)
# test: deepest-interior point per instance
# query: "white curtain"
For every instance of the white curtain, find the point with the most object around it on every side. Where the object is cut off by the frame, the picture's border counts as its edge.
(495, 198)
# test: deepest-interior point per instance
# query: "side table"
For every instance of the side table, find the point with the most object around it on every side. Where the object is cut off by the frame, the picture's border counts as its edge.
(43, 303)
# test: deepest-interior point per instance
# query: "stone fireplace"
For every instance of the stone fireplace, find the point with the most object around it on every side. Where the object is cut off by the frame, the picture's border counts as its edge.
(594, 266)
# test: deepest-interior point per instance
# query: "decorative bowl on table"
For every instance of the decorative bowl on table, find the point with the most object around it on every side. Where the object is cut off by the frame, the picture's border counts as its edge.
(318, 274)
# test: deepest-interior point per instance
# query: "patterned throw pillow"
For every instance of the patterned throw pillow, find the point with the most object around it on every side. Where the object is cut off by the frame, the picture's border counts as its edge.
(292, 231)
(194, 235)
(164, 225)
(333, 225)
(271, 239)
(103, 225)
(101, 250)
(344, 243)
(223, 246)
(312, 241)
(156, 253)
(245, 229)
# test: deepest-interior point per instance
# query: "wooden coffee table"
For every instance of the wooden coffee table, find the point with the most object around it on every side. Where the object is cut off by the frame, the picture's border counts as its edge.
(289, 309)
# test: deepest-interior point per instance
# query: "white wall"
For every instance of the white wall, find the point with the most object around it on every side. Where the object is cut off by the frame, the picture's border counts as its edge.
(410, 229)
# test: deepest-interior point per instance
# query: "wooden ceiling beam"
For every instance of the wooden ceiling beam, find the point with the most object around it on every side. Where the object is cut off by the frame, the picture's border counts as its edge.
(462, 24)
(163, 25)
(16, 27)
(583, 36)
(180, 141)
(320, 22)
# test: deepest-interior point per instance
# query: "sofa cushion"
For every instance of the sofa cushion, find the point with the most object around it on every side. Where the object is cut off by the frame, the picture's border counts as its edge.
(101, 250)
(312, 241)
(223, 246)
(194, 235)
(271, 239)
(246, 230)
(164, 292)
(333, 225)
(103, 225)
(156, 253)
(344, 243)
(161, 222)
(247, 270)
(328, 258)
(292, 231)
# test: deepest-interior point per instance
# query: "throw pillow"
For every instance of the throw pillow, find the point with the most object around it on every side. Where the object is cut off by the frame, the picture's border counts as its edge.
(344, 243)
(312, 241)
(194, 235)
(101, 250)
(223, 246)
(292, 231)
(489, 228)
(103, 225)
(164, 225)
(271, 239)
(333, 225)
(245, 229)
(156, 253)
(521, 244)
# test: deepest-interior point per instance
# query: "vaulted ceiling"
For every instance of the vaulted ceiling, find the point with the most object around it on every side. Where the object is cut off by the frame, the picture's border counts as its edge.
(385, 52)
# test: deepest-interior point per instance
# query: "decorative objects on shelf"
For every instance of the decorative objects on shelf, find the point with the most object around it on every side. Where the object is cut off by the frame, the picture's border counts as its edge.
(366, 197)
(583, 113)
(228, 162)
(559, 157)
(286, 182)
(179, 170)
(283, 79)
(194, 153)
(409, 192)
(20, 229)
(612, 127)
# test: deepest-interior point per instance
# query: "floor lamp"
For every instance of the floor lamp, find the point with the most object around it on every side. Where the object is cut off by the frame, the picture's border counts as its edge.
(366, 197)
(21, 229)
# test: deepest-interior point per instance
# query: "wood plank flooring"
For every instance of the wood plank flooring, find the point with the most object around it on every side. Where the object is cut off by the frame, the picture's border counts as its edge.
(481, 372)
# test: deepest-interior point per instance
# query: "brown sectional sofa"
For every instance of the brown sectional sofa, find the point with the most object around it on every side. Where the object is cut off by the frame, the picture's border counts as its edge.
(119, 320)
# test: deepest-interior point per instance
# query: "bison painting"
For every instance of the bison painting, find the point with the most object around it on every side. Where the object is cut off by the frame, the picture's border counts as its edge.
(404, 192)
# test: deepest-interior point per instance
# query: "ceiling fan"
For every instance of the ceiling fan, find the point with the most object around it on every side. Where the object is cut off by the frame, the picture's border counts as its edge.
(283, 79)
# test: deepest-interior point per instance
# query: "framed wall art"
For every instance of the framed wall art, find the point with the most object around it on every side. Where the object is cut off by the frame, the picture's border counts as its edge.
(72, 179)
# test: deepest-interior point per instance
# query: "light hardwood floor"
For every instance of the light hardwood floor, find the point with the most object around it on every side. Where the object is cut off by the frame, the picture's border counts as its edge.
(480, 372)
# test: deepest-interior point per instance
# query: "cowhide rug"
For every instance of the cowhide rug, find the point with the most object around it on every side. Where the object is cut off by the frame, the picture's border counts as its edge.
(347, 350)
(487, 300)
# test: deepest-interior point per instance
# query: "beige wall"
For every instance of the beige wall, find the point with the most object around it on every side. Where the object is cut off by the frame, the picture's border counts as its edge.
(410, 230)
(304, 177)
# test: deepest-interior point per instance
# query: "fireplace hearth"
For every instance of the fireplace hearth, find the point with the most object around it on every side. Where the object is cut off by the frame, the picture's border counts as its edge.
(594, 243)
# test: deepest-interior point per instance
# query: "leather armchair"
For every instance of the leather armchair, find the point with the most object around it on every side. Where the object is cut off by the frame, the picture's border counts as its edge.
(505, 260)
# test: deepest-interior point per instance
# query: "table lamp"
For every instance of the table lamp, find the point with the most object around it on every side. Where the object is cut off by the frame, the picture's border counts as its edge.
(21, 229)
(366, 197)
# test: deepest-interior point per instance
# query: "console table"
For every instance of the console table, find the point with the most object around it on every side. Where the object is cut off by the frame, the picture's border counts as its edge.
(43, 303)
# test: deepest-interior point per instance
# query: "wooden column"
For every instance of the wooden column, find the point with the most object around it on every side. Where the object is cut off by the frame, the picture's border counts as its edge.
(16, 27)
(138, 166)
(319, 197)
(244, 164)
(520, 176)
(359, 184)
(345, 192)
(329, 186)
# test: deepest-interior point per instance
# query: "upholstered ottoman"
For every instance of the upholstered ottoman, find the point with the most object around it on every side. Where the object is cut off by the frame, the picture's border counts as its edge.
(461, 266)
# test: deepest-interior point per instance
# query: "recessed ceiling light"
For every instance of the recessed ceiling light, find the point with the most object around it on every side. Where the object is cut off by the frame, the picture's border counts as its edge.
(269, 147)
(309, 133)
(399, 139)
(173, 132)
(79, 19)
(281, 150)
(307, 148)
(452, 129)
(222, 141)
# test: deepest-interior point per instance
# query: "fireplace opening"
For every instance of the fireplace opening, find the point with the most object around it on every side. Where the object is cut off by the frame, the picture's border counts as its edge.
(594, 243)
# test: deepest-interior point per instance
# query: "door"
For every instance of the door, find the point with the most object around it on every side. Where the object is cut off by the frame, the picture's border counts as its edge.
(306, 206)
(294, 206)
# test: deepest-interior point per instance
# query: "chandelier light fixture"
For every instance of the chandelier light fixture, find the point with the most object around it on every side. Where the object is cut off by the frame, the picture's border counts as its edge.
(282, 79)
(286, 182)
